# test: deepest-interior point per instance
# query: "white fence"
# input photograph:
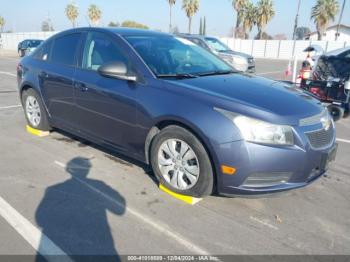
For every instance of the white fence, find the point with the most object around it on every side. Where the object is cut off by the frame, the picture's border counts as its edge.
(279, 49)
(275, 49)
(9, 41)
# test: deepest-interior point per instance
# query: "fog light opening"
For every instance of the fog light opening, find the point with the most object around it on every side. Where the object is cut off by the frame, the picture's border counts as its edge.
(259, 180)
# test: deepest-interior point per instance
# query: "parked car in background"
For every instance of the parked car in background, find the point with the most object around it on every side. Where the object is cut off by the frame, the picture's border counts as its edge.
(27, 46)
(333, 64)
(329, 80)
(240, 61)
(163, 100)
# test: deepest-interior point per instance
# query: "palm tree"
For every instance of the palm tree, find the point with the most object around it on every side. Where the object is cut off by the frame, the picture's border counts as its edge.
(94, 14)
(191, 7)
(171, 3)
(72, 13)
(249, 18)
(2, 24)
(265, 12)
(322, 13)
(238, 5)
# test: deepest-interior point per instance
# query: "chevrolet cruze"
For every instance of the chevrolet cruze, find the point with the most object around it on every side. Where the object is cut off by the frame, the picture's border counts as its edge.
(167, 102)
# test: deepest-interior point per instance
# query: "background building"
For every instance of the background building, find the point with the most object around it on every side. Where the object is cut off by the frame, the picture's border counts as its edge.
(344, 34)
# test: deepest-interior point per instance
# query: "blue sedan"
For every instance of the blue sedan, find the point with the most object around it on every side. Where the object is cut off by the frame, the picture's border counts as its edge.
(202, 127)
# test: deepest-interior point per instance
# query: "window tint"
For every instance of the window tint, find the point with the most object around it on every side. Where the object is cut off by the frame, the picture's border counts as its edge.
(43, 52)
(64, 49)
(100, 49)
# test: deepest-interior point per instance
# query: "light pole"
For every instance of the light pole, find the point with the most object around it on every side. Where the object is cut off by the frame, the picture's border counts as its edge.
(296, 21)
(294, 45)
(340, 18)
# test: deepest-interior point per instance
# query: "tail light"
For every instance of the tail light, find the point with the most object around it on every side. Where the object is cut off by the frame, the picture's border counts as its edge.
(19, 70)
(306, 74)
(318, 92)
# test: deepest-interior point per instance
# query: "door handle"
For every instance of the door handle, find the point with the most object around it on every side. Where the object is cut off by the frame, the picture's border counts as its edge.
(82, 87)
(44, 74)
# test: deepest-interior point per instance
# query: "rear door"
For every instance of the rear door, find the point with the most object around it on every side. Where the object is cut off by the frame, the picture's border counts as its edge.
(57, 79)
(105, 106)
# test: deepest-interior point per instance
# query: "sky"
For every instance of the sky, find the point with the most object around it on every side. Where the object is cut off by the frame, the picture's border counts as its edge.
(22, 15)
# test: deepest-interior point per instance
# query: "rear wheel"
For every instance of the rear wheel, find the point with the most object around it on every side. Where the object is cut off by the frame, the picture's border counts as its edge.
(34, 110)
(181, 163)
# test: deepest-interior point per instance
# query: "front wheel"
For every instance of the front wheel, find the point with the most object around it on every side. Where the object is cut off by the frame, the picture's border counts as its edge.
(181, 163)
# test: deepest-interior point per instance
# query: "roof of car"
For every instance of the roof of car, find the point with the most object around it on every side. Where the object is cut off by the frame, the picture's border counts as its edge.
(337, 51)
(123, 31)
(135, 32)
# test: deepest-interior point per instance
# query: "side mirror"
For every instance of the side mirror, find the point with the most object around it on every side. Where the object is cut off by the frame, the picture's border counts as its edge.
(116, 70)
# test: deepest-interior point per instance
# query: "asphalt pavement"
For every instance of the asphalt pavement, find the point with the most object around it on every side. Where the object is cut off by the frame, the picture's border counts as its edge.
(61, 195)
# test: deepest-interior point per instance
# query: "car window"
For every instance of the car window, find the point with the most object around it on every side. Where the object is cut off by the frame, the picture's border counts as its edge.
(216, 44)
(100, 49)
(64, 49)
(43, 52)
(25, 44)
(198, 42)
(172, 55)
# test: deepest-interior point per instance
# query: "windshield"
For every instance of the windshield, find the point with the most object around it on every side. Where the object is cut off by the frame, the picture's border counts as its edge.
(172, 56)
(216, 44)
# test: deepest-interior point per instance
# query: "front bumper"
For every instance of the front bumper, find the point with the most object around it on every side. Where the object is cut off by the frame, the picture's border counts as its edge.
(264, 169)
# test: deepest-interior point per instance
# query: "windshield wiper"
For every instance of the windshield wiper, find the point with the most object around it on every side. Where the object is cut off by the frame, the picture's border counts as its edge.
(218, 72)
(177, 76)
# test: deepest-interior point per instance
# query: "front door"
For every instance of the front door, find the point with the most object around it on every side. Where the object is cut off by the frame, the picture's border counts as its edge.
(105, 106)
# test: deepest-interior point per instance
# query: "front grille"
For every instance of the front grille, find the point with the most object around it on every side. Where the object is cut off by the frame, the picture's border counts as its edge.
(321, 138)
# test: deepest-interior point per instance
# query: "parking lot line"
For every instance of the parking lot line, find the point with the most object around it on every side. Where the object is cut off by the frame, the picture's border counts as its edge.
(9, 107)
(151, 222)
(343, 140)
(263, 222)
(40, 242)
(8, 73)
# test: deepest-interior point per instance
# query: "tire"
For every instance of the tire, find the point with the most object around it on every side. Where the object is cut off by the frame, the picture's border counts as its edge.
(336, 111)
(32, 98)
(347, 111)
(199, 163)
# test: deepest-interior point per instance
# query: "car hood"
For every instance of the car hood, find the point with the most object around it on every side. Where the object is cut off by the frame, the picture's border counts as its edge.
(231, 52)
(254, 96)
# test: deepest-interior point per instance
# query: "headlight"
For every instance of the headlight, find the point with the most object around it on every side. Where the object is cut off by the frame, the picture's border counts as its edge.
(239, 60)
(258, 131)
